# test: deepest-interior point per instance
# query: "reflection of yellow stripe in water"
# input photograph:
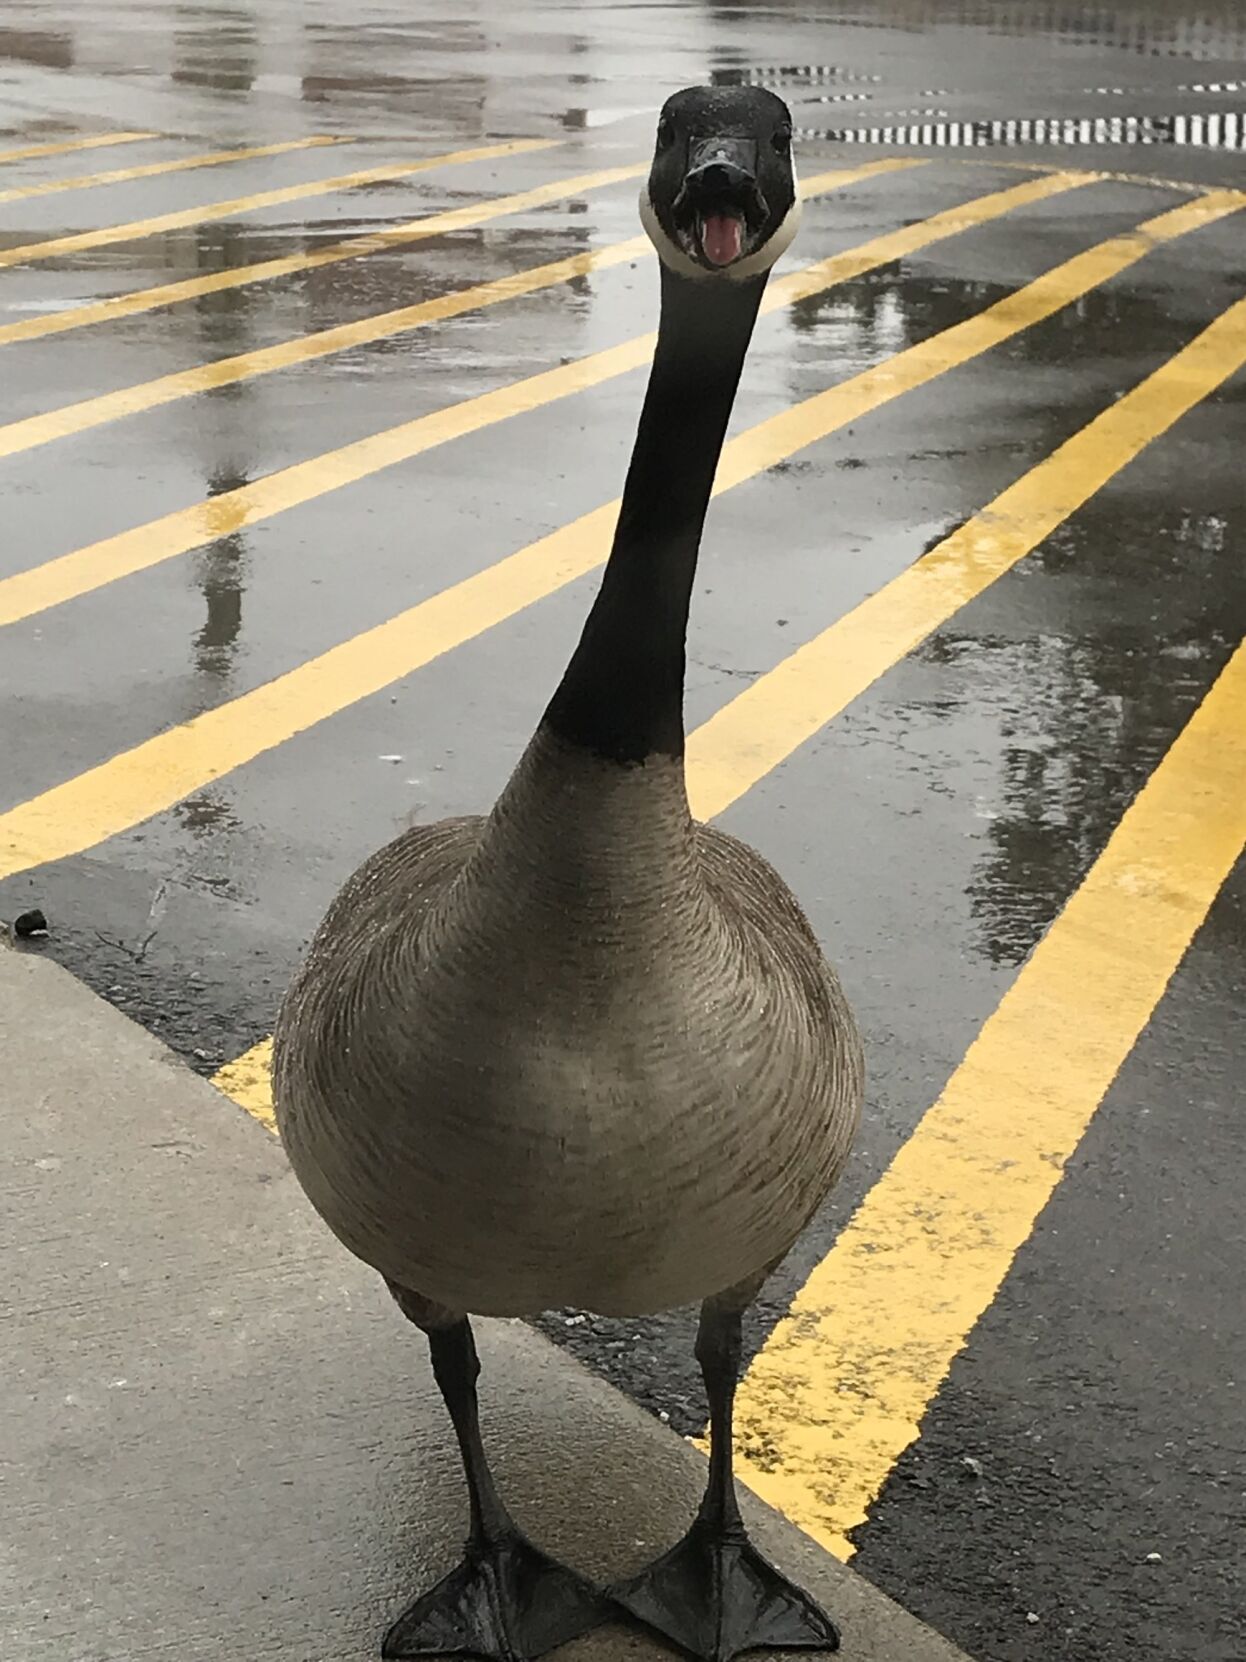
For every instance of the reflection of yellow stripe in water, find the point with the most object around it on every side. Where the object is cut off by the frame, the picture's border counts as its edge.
(91, 412)
(153, 775)
(396, 236)
(150, 170)
(106, 235)
(839, 1390)
(60, 580)
(63, 147)
(762, 726)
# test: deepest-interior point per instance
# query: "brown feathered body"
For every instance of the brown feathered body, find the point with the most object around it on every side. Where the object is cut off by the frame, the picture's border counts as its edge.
(583, 1051)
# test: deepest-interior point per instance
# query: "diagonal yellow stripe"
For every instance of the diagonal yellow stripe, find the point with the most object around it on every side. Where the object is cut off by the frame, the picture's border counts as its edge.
(107, 235)
(395, 236)
(760, 728)
(32, 431)
(149, 170)
(153, 775)
(24, 435)
(63, 147)
(838, 1391)
(75, 574)
(248, 1081)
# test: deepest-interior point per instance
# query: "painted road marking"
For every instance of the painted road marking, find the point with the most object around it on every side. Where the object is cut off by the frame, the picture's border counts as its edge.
(107, 235)
(72, 575)
(23, 435)
(32, 431)
(395, 236)
(149, 170)
(735, 749)
(785, 708)
(838, 1391)
(248, 1081)
(63, 147)
(151, 776)
(1152, 181)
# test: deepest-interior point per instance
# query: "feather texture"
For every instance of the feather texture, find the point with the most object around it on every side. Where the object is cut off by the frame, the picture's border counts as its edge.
(584, 1051)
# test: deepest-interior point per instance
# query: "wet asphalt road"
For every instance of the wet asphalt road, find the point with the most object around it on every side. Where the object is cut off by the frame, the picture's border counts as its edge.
(934, 830)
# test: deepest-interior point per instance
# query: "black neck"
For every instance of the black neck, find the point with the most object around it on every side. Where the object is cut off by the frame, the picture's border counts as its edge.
(622, 694)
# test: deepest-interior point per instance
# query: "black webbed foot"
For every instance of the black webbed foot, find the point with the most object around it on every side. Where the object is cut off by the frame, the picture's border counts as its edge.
(506, 1602)
(714, 1595)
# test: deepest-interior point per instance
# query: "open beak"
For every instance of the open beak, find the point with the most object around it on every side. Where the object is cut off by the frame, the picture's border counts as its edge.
(720, 195)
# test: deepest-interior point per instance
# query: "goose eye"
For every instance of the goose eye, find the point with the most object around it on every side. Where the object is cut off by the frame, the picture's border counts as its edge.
(666, 132)
(782, 140)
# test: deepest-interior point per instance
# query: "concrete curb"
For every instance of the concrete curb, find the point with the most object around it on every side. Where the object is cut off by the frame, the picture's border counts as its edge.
(221, 1441)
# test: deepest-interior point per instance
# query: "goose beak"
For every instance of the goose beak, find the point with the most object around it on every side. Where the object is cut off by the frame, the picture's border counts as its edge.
(721, 197)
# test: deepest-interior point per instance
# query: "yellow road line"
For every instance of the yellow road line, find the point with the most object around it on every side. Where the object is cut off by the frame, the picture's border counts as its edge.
(839, 1389)
(32, 431)
(1152, 181)
(75, 574)
(63, 147)
(149, 170)
(783, 709)
(395, 236)
(107, 235)
(24, 435)
(248, 1081)
(137, 783)
(766, 723)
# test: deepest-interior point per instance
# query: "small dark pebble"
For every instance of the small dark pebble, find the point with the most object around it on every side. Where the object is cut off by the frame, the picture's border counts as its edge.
(30, 923)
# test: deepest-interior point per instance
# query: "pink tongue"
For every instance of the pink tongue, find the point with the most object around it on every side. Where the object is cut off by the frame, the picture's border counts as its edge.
(721, 238)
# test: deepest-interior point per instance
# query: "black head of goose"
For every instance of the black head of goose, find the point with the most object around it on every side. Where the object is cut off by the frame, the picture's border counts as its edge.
(585, 1050)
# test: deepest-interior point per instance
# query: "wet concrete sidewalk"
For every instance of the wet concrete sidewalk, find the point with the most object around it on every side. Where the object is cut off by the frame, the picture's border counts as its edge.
(218, 1439)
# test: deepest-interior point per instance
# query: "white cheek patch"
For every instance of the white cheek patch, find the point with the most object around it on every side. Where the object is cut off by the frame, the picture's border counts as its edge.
(669, 252)
(752, 265)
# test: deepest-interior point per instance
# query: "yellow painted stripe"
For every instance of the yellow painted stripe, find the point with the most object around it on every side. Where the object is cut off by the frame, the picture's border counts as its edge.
(24, 435)
(75, 574)
(149, 170)
(150, 777)
(248, 1081)
(107, 235)
(395, 236)
(32, 431)
(63, 147)
(839, 1389)
(783, 709)
(1152, 181)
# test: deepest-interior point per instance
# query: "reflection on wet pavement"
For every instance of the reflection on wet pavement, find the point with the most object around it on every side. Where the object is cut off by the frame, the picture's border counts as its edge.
(1222, 130)
(1083, 706)
(221, 574)
(48, 48)
(1151, 27)
(219, 52)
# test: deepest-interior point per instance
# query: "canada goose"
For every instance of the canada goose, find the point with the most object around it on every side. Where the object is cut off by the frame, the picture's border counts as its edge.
(585, 1051)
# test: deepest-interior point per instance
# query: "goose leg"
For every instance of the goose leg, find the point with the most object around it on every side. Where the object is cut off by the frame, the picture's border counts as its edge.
(714, 1594)
(507, 1601)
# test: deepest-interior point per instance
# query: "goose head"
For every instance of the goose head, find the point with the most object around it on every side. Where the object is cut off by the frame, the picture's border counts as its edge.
(721, 200)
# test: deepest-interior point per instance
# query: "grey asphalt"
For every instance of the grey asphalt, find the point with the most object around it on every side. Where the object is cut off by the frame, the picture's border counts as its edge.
(218, 1438)
(934, 830)
(1102, 1395)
